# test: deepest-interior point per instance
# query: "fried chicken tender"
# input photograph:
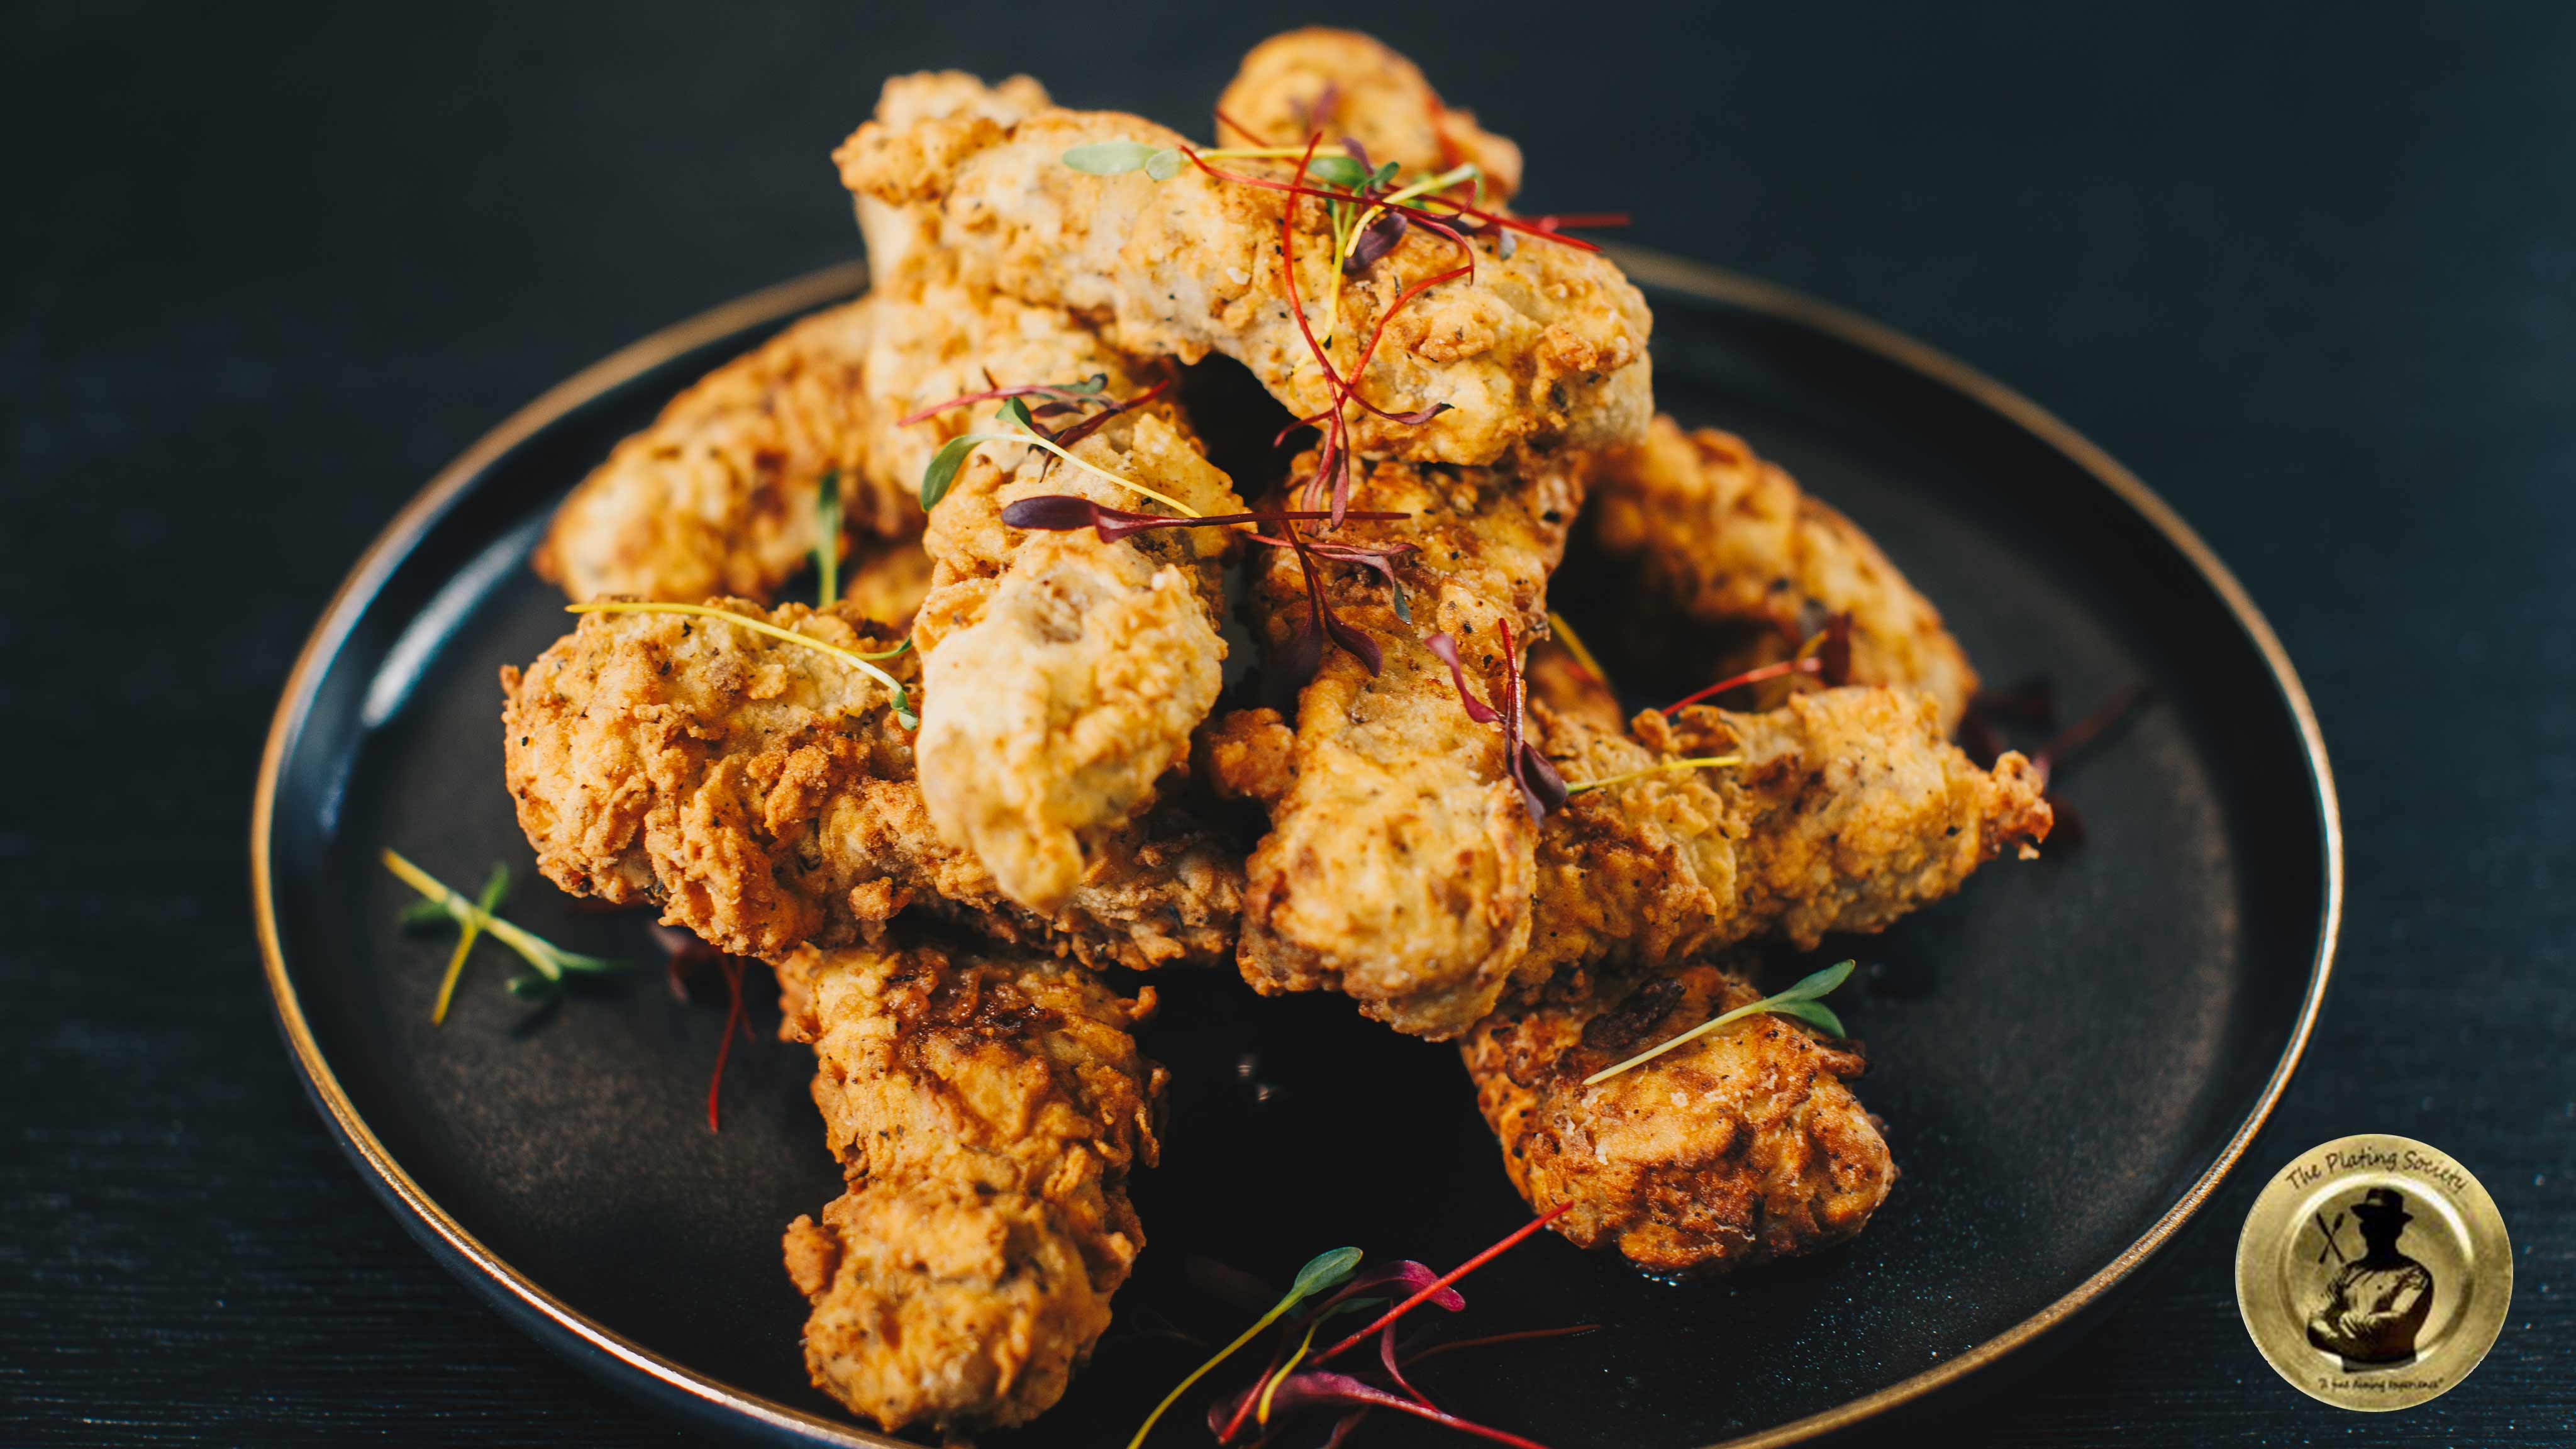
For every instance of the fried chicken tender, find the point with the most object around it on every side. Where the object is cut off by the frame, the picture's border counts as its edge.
(762, 794)
(719, 495)
(1343, 83)
(1850, 809)
(1065, 672)
(1399, 864)
(1726, 538)
(1544, 348)
(987, 1107)
(1742, 1147)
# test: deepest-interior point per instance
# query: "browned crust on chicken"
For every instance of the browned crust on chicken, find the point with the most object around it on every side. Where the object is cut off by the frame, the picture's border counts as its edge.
(1398, 867)
(1343, 83)
(987, 1107)
(1742, 1147)
(719, 495)
(762, 795)
(1542, 348)
(1725, 537)
(1851, 808)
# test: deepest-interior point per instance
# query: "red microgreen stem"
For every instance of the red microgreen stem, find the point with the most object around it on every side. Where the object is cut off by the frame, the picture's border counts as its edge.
(1438, 1349)
(996, 394)
(1510, 1241)
(732, 967)
(1809, 664)
(2082, 735)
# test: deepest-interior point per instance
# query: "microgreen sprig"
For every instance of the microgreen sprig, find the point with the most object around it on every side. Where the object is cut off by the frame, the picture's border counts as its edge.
(864, 663)
(827, 540)
(1826, 654)
(1014, 415)
(1542, 789)
(496, 889)
(1574, 645)
(1801, 1001)
(1697, 762)
(1321, 1273)
(552, 962)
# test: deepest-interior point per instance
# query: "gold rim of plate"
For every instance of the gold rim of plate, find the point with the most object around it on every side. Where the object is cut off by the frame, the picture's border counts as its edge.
(833, 284)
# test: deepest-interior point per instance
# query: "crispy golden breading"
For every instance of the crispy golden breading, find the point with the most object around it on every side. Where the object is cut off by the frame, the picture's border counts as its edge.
(987, 1108)
(1726, 538)
(718, 495)
(1544, 348)
(1742, 1147)
(1398, 867)
(762, 794)
(1343, 83)
(1065, 672)
(1850, 809)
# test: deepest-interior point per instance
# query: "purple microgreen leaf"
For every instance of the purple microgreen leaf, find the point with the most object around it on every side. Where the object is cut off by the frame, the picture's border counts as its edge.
(1376, 240)
(1289, 668)
(1316, 1387)
(1361, 646)
(1358, 152)
(1447, 648)
(1053, 512)
(1540, 779)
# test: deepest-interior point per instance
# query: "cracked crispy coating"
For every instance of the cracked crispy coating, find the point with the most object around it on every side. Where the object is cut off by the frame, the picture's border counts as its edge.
(1739, 1148)
(1726, 538)
(1851, 809)
(762, 794)
(1399, 864)
(1367, 92)
(987, 1107)
(718, 495)
(1065, 673)
(1543, 348)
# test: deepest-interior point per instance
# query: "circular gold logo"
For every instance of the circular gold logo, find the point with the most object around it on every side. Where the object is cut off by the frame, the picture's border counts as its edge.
(2374, 1272)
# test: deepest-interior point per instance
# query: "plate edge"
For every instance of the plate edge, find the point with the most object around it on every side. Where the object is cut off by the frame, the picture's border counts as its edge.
(1656, 268)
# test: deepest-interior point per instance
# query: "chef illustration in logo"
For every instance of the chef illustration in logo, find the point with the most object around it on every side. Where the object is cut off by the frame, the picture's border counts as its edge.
(2376, 1303)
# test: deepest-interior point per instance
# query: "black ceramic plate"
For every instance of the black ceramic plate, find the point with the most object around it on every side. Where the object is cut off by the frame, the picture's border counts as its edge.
(2068, 1056)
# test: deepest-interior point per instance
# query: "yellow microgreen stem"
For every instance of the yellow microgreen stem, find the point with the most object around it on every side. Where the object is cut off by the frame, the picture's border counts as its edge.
(1703, 762)
(537, 951)
(1200, 1372)
(1800, 1001)
(851, 657)
(1261, 1415)
(1574, 645)
(1034, 440)
(490, 901)
(1685, 1039)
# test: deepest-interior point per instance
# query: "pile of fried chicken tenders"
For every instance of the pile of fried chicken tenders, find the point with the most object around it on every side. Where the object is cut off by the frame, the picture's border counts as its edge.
(1412, 794)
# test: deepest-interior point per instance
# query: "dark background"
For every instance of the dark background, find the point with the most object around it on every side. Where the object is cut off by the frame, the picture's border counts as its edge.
(2312, 276)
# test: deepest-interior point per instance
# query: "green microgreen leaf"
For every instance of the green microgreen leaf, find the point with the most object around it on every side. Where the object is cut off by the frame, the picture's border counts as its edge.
(941, 475)
(1798, 1001)
(1382, 175)
(1321, 1273)
(1819, 984)
(550, 960)
(1091, 386)
(1163, 165)
(1339, 171)
(1113, 158)
(1015, 411)
(425, 916)
(827, 539)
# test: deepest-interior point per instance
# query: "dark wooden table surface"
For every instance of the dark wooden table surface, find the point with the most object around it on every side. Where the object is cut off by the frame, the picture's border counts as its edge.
(2313, 277)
